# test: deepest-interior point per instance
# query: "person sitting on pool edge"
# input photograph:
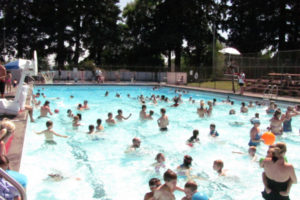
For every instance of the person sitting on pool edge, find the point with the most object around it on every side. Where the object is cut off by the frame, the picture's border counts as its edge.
(110, 120)
(99, 127)
(163, 121)
(136, 143)
(154, 183)
(45, 109)
(20, 178)
(213, 131)
(120, 116)
(49, 133)
(165, 191)
(218, 167)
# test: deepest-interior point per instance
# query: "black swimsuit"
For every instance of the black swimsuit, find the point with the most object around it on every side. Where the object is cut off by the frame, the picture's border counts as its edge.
(275, 187)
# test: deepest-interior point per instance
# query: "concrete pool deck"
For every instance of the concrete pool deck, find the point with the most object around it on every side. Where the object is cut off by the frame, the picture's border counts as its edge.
(15, 152)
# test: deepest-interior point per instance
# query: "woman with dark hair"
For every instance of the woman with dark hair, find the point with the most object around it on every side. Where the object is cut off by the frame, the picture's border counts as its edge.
(278, 175)
(276, 123)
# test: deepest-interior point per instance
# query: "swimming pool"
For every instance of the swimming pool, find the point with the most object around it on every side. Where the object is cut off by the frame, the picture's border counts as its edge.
(101, 170)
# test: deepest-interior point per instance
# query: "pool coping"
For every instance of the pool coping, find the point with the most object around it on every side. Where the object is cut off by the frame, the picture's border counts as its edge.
(16, 149)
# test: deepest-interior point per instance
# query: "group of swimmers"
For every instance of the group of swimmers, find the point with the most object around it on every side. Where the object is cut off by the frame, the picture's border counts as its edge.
(165, 192)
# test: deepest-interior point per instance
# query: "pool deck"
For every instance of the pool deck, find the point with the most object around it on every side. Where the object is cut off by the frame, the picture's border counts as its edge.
(15, 152)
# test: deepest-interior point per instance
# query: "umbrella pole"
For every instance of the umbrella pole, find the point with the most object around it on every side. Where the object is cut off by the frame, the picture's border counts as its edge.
(232, 77)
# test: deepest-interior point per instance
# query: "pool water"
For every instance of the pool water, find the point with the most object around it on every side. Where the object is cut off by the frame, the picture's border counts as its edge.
(100, 169)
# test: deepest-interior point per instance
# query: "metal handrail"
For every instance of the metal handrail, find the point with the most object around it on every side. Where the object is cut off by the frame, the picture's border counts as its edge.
(14, 183)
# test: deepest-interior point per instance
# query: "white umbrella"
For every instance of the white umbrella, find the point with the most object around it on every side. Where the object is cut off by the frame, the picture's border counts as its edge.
(230, 51)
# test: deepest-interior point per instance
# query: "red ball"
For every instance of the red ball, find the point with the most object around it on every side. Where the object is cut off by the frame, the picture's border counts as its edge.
(56, 111)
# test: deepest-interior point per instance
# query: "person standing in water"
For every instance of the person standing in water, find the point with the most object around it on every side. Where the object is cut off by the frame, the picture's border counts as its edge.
(163, 121)
(49, 133)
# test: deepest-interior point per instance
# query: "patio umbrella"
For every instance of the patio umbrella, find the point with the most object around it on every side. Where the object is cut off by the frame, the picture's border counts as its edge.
(231, 51)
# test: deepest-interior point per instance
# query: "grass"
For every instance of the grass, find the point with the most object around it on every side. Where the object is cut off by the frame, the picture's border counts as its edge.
(221, 85)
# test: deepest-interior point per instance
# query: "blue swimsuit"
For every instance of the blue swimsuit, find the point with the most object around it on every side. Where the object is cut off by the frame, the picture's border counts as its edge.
(287, 125)
(257, 137)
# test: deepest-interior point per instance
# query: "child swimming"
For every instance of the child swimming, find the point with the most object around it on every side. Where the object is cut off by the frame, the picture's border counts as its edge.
(49, 133)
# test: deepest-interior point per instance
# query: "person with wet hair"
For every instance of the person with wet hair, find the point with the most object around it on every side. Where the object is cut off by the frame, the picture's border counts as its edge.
(154, 183)
(278, 175)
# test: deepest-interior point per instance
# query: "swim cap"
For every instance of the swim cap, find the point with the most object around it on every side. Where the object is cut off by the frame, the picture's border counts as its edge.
(199, 196)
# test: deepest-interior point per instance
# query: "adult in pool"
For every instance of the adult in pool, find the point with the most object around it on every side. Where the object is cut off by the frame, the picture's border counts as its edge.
(163, 121)
(136, 143)
(278, 175)
(45, 109)
(49, 133)
(254, 134)
(201, 111)
(287, 123)
(244, 108)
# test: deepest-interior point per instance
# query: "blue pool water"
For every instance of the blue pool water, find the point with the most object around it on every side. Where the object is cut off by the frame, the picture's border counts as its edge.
(100, 169)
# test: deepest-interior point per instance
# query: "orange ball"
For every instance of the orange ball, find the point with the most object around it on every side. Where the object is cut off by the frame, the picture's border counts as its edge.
(56, 111)
(269, 138)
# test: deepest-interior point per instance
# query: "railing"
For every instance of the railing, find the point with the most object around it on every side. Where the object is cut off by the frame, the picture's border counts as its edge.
(269, 91)
(14, 183)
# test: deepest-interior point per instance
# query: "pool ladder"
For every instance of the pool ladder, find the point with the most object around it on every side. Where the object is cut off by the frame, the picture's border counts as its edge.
(269, 92)
(14, 183)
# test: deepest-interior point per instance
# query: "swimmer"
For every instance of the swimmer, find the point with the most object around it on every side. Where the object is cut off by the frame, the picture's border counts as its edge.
(210, 108)
(254, 134)
(154, 183)
(91, 129)
(75, 122)
(58, 177)
(194, 138)
(143, 114)
(250, 104)
(276, 123)
(163, 121)
(272, 108)
(80, 107)
(190, 99)
(154, 101)
(110, 120)
(214, 102)
(201, 111)
(244, 108)
(256, 117)
(251, 153)
(190, 190)
(118, 95)
(45, 109)
(120, 116)
(79, 116)
(85, 105)
(149, 117)
(43, 95)
(99, 127)
(70, 114)
(160, 162)
(185, 168)
(49, 133)
(165, 191)
(218, 167)
(136, 143)
(176, 104)
(106, 94)
(278, 176)
(71, 97)
(287, 123)
(213, 131)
